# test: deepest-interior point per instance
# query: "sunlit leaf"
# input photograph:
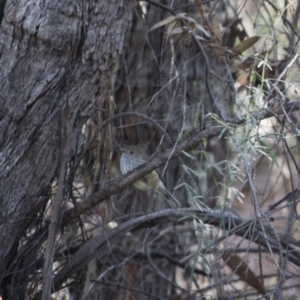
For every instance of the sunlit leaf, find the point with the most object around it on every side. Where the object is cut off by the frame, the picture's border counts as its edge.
(162, 23)
(265, 149)
(200, 27)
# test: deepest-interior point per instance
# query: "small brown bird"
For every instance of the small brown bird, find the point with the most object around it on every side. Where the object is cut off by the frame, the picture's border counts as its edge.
(134, 156)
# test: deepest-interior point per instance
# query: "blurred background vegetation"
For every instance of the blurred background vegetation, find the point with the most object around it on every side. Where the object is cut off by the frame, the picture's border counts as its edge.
(189, 66)
(186, 67)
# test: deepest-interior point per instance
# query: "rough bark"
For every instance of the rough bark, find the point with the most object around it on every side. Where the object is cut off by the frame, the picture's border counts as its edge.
(53, 54)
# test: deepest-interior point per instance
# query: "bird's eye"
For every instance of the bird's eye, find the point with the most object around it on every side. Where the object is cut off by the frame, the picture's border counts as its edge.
(131, 152)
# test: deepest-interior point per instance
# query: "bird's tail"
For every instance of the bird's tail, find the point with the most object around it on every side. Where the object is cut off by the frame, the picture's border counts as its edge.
(172, 200)
(156, 184)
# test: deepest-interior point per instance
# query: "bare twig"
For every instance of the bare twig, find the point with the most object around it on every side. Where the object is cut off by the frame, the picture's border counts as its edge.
(139, 115)
(119, 184)
(216, 218)
(56, 206)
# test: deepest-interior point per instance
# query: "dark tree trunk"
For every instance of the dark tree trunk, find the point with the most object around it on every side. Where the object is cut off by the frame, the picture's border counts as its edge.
(56, 60)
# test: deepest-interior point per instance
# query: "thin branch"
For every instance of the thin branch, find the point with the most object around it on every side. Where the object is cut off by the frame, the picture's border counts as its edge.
(56, 205)
(142, 116)
(164, 7)
(284, 18)
(117, 185)
(118, 286)
(99, 244)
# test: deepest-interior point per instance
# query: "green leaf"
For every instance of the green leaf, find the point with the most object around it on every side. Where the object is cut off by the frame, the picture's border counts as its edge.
(265, 149)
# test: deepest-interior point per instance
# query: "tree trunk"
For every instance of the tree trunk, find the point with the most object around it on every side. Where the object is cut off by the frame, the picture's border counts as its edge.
(56, 60)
